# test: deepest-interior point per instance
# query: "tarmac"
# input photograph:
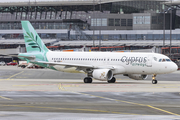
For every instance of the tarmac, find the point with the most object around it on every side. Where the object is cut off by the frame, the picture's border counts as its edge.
(43, 94)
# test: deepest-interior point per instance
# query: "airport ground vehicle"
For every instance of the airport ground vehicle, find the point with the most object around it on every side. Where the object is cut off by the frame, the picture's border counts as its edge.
(2, 63)
(24, 64)
(12, 63)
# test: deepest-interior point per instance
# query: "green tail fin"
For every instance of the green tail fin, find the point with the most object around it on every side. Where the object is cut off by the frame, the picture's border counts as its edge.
(32, 40)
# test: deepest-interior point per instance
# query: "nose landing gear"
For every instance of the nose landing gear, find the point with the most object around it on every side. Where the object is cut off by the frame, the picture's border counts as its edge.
(154, 81)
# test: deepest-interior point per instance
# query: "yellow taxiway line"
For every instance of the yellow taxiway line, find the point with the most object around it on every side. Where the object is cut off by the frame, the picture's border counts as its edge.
(5, 98)
(165, 111)
(14, 75)
(57, 108)
(9, 78)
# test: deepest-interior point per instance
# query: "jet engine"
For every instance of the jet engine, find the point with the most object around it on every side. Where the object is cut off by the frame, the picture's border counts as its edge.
(102, 74)
(137, 76)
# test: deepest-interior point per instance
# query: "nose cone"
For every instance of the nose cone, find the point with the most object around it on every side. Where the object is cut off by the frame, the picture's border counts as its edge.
(174, 67)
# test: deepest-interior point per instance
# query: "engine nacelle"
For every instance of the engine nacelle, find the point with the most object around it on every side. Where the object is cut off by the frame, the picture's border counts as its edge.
(102, 74)
(137, 76)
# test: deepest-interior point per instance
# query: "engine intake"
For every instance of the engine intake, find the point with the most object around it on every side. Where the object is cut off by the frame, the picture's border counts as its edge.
(102, 74)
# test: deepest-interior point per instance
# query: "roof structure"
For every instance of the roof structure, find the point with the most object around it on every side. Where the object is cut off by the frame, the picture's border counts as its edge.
(103, 43)
(61, 2)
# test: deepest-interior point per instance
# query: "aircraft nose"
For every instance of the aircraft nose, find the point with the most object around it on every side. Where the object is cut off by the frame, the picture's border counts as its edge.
(174, 67)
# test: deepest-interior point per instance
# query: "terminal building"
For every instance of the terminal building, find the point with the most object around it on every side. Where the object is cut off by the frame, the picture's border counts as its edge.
(64, 24)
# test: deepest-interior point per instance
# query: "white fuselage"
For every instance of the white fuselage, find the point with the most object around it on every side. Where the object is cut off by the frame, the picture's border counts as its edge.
(123, 62)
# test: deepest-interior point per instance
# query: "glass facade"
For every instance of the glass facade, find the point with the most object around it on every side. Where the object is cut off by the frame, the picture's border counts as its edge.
(119, 15)
(89, 14)
(64, 36)
(44, 25)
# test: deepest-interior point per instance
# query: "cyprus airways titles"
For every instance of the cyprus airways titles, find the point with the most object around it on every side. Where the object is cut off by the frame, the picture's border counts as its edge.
(98, 65)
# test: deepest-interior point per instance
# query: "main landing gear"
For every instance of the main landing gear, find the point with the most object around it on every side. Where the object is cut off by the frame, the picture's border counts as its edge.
(87, 80)
(113, 80)
(154, 81)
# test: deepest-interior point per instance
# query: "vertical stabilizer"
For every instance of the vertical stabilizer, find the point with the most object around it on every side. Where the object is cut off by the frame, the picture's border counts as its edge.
(32, 40)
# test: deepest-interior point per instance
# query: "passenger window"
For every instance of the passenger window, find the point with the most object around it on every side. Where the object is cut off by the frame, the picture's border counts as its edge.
(160, 60)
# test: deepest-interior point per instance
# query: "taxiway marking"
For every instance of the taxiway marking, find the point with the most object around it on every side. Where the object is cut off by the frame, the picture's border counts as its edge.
(5, 98)
(9, 78)
(132, 103)
(57, 108)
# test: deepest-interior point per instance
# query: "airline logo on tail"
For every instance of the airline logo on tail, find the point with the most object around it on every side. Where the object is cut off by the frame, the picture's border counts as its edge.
(32, 40)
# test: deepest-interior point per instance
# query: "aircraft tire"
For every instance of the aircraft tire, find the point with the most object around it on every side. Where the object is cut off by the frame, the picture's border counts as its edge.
(154, 81)
(113, 80)
(87, 80)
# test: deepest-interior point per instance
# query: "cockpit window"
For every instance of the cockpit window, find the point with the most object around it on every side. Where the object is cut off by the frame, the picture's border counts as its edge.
(168, 60)
(164, 60)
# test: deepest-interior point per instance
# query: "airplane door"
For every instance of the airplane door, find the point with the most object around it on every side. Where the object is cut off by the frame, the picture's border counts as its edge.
(149, 61)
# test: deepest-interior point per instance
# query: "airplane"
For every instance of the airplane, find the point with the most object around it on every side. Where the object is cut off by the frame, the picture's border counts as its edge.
(98, 65)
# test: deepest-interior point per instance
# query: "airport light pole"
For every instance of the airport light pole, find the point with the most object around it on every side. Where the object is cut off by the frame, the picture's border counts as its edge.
(170, 30)
(93, 22)
(170, 33)
(100, 29)
(164, 28)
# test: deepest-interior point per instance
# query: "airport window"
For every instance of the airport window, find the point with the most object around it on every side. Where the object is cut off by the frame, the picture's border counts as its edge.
(139, 19)
(160, 19)
(93, 22)
(99, 22)
(123, 22)
(104, 21)
(129, 22)
(154, 19)
(111, 22)
(134, 20)
(147, 19)
(117, 22)
(167, 36)
(131, 37)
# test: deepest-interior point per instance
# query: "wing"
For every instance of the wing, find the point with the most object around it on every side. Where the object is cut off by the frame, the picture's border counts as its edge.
(75, 65)
(65, 64)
